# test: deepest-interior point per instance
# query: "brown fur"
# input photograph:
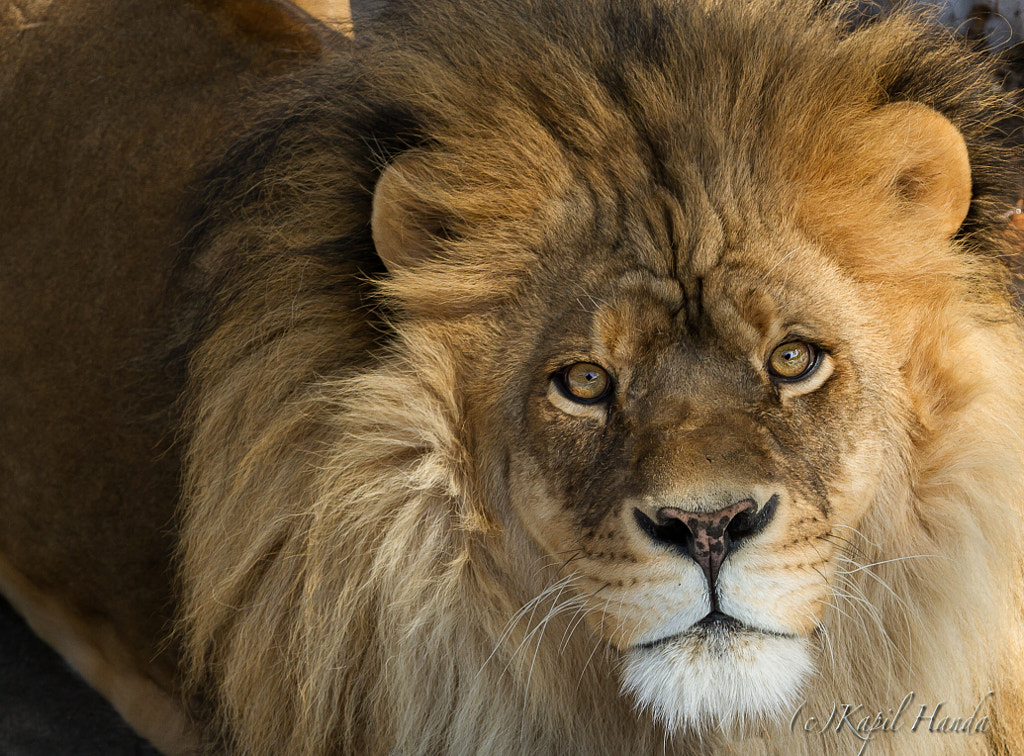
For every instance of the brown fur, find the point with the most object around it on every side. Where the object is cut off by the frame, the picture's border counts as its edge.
(109, 109)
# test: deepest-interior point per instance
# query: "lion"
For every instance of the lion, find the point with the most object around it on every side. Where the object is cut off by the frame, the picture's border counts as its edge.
(588, 377)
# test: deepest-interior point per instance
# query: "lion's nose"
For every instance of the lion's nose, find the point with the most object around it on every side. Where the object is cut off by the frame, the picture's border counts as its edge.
(709, 537)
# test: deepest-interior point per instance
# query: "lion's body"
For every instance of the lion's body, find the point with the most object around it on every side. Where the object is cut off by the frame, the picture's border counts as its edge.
(402, 533)
(108, 110)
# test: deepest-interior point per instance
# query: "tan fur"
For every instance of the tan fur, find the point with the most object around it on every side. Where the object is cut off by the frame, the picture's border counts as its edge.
(337, 13)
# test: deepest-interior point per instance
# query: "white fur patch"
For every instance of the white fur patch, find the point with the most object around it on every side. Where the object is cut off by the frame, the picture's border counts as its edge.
(713, 679)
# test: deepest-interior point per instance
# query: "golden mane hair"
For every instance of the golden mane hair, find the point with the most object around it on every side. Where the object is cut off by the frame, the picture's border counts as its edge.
(353, 577)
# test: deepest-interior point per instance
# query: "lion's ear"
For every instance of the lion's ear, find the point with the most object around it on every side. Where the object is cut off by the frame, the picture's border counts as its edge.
(407, 227)
(929, 169)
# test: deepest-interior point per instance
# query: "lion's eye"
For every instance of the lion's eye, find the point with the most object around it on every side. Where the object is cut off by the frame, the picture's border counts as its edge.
(586, 382)
(793, 360)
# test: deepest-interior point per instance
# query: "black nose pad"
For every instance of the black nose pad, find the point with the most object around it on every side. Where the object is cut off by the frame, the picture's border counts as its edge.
(708, 537)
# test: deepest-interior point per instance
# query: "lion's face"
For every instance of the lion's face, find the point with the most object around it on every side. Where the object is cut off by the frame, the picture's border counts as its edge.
(696, 440)
(700, 399)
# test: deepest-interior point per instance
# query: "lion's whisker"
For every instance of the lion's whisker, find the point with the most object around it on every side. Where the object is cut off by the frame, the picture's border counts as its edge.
(856, 532)
(597, 645)
(577, 618)
(894, 559)
(823, 632)
(531, 607)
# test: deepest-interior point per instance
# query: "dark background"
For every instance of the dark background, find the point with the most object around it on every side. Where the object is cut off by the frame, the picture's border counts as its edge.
(46, 709)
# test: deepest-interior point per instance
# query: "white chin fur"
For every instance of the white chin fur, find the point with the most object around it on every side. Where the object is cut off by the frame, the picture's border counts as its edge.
(715, 680)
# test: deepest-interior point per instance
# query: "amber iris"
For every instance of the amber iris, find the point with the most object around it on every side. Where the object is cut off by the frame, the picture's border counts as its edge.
(792, 360)
(586, 381)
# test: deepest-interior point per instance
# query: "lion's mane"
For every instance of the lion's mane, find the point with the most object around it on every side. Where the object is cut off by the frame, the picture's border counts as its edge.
(352, 577)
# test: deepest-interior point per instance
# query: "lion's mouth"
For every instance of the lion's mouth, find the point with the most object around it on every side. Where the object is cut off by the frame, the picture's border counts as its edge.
(715, 624)
(720, 622)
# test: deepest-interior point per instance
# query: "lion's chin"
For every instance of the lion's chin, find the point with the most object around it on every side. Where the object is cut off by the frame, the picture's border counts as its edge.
(718, 677)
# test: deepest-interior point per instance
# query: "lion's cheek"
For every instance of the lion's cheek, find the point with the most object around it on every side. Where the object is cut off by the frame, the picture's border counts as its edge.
(875, 462)
(536, 509)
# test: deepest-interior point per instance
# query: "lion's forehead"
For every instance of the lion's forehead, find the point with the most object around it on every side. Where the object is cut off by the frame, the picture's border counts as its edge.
(630, 312)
